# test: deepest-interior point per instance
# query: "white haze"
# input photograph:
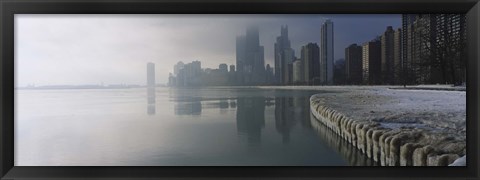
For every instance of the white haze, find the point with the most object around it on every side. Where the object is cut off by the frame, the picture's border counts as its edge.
(114, 49)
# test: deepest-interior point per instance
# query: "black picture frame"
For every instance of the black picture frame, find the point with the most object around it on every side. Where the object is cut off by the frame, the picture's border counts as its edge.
(8, 8)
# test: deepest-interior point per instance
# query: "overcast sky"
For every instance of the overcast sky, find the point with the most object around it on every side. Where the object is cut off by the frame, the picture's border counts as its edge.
(114, 49)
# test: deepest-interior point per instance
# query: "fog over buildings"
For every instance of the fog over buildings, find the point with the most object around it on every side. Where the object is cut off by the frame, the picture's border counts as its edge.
(113, 49)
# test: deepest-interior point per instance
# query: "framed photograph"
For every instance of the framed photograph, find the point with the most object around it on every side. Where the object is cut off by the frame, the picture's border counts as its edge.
(304, 89)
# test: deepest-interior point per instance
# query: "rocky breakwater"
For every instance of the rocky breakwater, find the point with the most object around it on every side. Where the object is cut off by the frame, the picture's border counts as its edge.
(397, 127)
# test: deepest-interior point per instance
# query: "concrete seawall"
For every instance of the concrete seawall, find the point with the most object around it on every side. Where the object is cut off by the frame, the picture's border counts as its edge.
(386, 145)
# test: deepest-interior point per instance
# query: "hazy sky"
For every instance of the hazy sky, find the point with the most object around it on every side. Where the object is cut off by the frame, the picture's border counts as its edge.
(114, 49)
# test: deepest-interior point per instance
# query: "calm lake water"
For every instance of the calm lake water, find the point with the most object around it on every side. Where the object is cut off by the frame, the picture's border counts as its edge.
(174, 127)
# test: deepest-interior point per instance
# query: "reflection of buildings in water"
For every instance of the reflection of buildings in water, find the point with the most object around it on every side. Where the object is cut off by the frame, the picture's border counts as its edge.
(284, 117)
(302, 111)
(269, 102)
(223, 104)
(233, 104)
(186, 103)
(251, 118)
(353, 156)
(151, 98)
(151, 109)
(188, 108)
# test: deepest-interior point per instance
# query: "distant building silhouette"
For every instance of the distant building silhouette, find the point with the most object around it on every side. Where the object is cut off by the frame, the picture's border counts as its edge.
(326, 53)
(284, 55)
(387, 56)
(339, 72)
(223, 68)
(311, 63)
(177, 67)
(250, 58)
(353, 64)
(298, 76)
(269, 75)
(371, 62)
(397, 57)
(150, 74)
(150, 88)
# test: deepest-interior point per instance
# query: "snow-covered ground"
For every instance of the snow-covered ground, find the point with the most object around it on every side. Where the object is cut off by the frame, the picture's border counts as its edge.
(440, 115)
(430, 109)
(435, 87)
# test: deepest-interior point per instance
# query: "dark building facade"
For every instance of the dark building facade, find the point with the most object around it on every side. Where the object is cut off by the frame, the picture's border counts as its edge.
(433, 48)
(397, 57)
(387, 56)
(339, 72)
(284, 55)
(371, 62)
(310, 56)
(269, 75)
(353, 64)
(250, 58)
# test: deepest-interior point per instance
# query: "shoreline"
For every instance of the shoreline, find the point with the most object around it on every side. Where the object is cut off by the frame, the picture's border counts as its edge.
(396, 137)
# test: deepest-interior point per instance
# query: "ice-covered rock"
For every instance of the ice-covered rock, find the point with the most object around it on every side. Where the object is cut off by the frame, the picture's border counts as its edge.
(397, 127)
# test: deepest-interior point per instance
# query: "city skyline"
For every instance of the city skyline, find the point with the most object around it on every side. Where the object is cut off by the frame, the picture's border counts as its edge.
(74, 45)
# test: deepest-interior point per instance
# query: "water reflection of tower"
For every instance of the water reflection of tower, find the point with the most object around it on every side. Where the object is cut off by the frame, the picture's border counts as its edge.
(302, 110)
(251, 118)
(150, 88)
(188, 108)
(284, 117)
(186, 102)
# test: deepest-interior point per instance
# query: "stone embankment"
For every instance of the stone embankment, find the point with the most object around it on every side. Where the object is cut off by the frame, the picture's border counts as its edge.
(397, 127)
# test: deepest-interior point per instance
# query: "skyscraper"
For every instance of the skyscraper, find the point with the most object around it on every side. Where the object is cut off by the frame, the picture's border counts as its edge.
(150, 74)
(371, 62)
(311, 63)
(250, 57)
(353, 64)
(326, 57)
(240, 53)
(397, 57)
(298, 76)
(387, 56)
(151, 88)
(284, 55)
(177, 67)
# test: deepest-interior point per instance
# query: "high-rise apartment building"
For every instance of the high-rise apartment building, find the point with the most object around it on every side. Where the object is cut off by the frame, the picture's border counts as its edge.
(150, 74)
(371, 62)
(240, 53)
(433, 48)
(387, 56)
(353, 64)
(326, 53)
(397, 57)
(298, 76)
(311, 63)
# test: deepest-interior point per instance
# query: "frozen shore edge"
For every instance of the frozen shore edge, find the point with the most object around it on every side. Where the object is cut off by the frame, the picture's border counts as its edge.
(387, 146)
